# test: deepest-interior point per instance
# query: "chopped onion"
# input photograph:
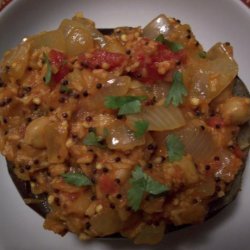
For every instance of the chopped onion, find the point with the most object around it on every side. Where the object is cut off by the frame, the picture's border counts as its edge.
(122, 138)
(211, 76)
(158, 91)
(77, 37)
(52, 39)
(116, 86)
(96, 34)
(160, 118)
(198, 141)
(18, 57)
(159, 25)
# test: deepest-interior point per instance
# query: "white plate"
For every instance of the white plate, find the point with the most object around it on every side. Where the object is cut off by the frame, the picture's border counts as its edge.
(211, 21)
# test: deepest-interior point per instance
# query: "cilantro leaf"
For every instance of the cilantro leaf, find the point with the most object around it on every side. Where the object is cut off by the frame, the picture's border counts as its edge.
(203, 54)
(141, 128)
(77, 179)
(105, 133)
(48, 72)
(130, 108)
(116, 102)
(155, 187)
(141, 183)
(135, 196)
(91, 139)
(160, 38)
(173, 46)
(175, 148)
(125, 104)
(177, 90)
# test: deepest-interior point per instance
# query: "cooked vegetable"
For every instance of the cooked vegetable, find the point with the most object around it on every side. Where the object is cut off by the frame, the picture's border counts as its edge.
(210, 77)
(141, 128)
(177, 90)
(77, 37)
(92, 139)
(198, 141)
(175, 47)
(48, 69)
(140, 183)
(77, 179)
(175, 148)
(52, 39)
(159, 25)
(159, 118)
(15, 62)
(136, 132)
(120, 137)
(235, 110)
(125, 104)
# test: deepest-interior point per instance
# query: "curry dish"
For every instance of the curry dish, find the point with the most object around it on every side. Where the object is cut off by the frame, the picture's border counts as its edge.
(132, 132)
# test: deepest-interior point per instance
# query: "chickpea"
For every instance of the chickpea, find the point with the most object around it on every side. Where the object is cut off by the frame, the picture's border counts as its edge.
(35, 133)
(235, 110)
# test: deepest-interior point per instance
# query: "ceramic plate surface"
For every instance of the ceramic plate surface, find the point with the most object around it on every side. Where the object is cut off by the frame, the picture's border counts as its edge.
(211, 21)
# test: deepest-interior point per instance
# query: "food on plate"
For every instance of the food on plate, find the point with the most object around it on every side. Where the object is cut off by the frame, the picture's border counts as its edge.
(137, 132)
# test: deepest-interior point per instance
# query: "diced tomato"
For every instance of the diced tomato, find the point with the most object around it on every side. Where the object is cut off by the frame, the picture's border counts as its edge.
(238, 152)
(63, 71)
(147, 71)
(215, 122)
(100, 56)
(59, 60)
(107, 184)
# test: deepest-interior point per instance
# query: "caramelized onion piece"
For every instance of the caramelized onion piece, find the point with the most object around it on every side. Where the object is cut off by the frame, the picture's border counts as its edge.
(159, 25)
(77, 37)
(120, 137)
(160, 118)
(52, 39)
(15, 62)
(210, 77)
(198, 141)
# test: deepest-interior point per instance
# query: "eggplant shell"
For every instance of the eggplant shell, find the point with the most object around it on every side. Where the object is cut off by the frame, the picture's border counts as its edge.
(41, 205)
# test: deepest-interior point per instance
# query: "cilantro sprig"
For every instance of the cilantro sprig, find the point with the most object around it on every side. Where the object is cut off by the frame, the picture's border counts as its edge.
(48, 74)
(91, 139)
(177, 90)
(141, 183)
(125, 104)
(175, 148)
(141, 127)
(77, 179)
(173, 46)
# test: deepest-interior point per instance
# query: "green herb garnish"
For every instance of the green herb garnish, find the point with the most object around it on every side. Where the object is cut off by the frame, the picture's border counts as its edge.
(175, 148)
(105, 133)
(77, 179)
(48, 71)
(91, 139)
(177, 90)
(141, 128)
(175, 47)
(65, 89)
(140, 183)
(125, 104)
(203, 54)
